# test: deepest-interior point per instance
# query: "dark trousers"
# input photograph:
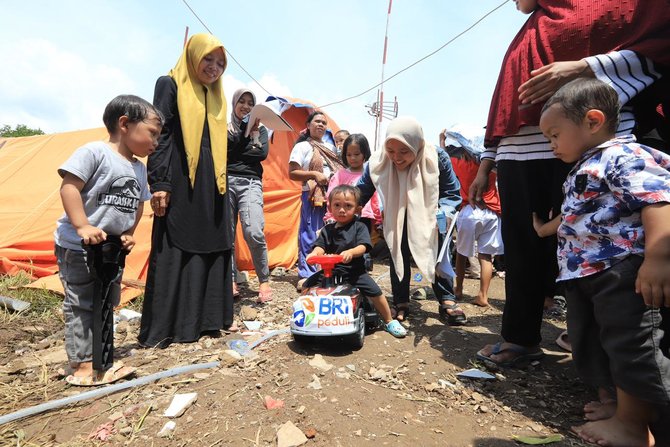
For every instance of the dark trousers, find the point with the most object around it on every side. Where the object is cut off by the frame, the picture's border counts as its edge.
(442, 287)
(531, 268)
(616, 338)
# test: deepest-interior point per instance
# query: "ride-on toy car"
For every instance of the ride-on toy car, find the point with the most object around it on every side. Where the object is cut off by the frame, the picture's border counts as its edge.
(332, 309)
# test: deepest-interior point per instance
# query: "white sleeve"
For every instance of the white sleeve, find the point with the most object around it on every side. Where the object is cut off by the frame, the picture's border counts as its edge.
(299, 153)
(626, 71)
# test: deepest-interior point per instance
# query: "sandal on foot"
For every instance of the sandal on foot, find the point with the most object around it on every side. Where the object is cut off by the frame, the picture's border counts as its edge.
(400, 313)
(564, 342)
(264, 296)
(116, 372)
(524, 355)
(456, 317)
(394, 328)
(231, 328)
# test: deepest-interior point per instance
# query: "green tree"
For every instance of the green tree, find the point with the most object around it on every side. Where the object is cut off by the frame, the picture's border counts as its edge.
(21, 130)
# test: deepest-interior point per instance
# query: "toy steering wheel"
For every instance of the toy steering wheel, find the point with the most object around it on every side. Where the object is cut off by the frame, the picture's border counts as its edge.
(327, 263)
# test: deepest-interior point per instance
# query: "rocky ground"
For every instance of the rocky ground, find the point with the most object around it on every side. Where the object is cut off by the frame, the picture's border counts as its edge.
(391, 392)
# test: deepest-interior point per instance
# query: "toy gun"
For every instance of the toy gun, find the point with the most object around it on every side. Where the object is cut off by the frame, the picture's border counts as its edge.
(327, 263)
(106, 261)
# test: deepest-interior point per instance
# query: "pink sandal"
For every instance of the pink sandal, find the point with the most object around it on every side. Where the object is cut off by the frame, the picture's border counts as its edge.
(264, 296)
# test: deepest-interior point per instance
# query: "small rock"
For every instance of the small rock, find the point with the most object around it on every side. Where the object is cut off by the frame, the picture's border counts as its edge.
(301, 409)
(310, 433)
(229, 358)
(289, 435)
(167, 429)
(315, 383)
(320, 363)
(248, 313)
(351, 367)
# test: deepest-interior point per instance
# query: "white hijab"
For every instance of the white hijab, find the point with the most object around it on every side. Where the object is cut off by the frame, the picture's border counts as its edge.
(413, 192)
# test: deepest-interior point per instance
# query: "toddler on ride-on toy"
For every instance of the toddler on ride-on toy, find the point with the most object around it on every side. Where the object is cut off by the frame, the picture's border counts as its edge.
(350, 238)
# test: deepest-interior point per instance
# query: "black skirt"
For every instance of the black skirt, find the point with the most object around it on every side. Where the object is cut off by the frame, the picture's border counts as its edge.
(186, 293)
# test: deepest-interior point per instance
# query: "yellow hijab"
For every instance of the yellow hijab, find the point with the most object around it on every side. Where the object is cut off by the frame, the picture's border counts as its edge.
(195, 102)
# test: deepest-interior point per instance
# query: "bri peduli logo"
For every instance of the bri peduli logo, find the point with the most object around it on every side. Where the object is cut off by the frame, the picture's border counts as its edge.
(303, 317)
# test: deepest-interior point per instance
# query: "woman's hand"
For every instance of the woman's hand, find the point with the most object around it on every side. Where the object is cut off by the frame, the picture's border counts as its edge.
(320, 178)
(127, 241)
(545, 81)
(255, 126)
(159, 202)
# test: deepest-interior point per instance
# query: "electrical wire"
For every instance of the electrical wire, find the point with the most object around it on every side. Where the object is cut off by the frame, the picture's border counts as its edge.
(379, 83)
(227, 50)
(420, 60)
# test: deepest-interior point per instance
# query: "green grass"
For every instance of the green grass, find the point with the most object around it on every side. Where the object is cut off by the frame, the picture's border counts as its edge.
(44, 304)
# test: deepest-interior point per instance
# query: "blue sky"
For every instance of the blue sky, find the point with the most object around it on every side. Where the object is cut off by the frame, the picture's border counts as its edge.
(63, 61)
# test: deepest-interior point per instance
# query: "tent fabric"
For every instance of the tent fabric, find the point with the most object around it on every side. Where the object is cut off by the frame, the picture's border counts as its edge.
(30, 204)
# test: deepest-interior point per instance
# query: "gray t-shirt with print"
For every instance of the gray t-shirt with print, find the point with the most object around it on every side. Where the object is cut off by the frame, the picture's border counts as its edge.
(111, 195)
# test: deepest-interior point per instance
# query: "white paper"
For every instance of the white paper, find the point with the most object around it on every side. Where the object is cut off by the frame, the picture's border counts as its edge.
(269, 118)
(179, 404)
(252, 325)
(474, 373)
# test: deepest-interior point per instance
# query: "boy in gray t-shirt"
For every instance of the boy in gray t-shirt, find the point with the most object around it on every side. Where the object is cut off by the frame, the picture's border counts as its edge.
(103, 192)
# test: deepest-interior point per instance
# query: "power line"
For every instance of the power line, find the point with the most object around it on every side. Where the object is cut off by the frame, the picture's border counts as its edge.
(420, 60)
(374, 86)
(227, 50)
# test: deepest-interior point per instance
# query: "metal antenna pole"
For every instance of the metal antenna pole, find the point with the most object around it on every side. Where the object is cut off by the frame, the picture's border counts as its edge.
(380, 99)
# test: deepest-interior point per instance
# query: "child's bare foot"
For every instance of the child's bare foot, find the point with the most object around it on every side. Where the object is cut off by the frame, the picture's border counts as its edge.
(84, 369)
(599, 410)
(458, 292)
(482, 301)
(613, 432)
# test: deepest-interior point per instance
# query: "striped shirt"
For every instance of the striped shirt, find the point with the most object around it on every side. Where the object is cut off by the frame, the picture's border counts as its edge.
(625, 71)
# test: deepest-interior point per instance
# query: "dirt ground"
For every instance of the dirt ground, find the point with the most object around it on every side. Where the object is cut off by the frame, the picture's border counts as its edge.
(390, 392)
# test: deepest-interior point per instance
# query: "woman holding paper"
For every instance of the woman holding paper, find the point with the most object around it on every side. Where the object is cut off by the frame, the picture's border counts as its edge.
(245, 186)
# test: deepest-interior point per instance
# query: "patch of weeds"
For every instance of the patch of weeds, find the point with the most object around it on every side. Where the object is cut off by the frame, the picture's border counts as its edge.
(44, 304)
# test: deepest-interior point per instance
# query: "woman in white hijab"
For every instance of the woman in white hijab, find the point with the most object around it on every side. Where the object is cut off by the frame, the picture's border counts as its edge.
(412, 180)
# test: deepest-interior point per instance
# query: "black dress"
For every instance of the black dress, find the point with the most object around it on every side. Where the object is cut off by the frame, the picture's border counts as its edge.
(189, 281)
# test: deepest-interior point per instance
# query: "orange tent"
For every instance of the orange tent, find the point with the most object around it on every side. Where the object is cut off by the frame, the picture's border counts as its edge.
(30, 203)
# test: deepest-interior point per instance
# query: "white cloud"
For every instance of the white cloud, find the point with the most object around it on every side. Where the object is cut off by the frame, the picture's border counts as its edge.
(48, 87)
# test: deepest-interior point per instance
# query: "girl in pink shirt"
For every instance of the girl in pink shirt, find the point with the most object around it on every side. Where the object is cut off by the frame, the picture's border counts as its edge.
(355, 152)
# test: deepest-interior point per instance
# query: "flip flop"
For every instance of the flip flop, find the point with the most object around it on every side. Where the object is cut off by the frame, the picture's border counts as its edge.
(564, 342)
(117, 372)
(525, 355)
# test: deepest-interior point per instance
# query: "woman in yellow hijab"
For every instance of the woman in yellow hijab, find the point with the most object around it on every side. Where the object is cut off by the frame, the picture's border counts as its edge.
(189, 281)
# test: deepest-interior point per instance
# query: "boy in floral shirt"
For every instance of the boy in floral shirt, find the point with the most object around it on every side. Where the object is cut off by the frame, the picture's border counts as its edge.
(614, 245)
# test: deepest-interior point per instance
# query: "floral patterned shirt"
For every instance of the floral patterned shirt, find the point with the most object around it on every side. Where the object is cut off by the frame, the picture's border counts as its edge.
(604, 195)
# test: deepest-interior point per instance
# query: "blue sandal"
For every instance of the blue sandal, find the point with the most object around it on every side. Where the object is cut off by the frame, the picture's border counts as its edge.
(394, 328)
